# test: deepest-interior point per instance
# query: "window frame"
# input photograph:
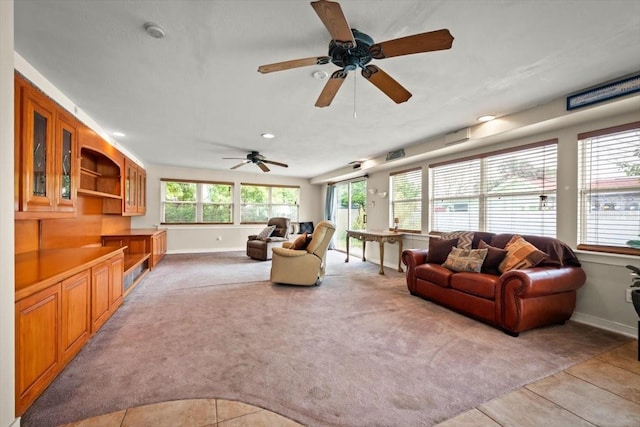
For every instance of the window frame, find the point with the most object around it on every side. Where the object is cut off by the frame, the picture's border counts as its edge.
(481, 195)
(584, 191)
(270, 204)
(199, 201)
(393, 201)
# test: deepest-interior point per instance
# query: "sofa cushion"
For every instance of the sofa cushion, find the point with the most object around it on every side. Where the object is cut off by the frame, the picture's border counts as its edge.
(266, 232)
(434, 273)
(465, 238)
(439, 250)
(465, 259)
(480, 284)
(521, 254)
(495, 256)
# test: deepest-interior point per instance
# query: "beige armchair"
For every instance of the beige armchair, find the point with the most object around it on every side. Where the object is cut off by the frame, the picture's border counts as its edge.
(303, 266)
(261, 249)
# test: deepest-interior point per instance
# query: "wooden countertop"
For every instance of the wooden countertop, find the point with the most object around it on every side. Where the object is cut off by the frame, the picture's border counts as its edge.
(137, 232)
(37, 270)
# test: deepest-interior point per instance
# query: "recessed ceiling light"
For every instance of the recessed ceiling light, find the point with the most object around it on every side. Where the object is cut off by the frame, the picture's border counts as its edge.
(486, 118)
(154, 30)
(118, 134)
(268, 136)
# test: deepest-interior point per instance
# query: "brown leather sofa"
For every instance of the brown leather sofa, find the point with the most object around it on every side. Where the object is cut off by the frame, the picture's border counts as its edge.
(261, 249)
(516, 300)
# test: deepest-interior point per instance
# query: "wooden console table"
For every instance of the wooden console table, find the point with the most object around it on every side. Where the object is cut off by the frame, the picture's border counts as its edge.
(381, 237)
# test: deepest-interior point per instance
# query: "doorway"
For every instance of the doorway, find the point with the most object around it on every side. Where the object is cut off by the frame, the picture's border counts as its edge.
(351, 198)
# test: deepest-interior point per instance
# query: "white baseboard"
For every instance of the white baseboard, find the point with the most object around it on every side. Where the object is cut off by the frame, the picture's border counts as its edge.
(605, 324)
(203, 251)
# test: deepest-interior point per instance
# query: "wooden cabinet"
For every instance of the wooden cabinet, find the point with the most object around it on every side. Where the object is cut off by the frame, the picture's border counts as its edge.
(37, 344)
(107, 292)
(76, 300)
(158, 247)
(46, 151)
(144, 248)
(135, 189)
(56, 313)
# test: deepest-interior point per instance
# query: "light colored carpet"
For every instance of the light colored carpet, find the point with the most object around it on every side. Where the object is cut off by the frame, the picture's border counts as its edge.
(356, 351)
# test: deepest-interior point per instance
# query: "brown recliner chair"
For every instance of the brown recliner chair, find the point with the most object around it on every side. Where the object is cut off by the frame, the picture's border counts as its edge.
(303, 266)
(261, 249)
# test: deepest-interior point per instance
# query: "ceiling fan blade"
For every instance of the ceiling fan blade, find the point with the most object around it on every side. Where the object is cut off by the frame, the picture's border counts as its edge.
(294, 63)
(271, 162)
(263, 167)
(240, 164)
(333, 18)
(386, 83)
(331, 88)
(417, 43)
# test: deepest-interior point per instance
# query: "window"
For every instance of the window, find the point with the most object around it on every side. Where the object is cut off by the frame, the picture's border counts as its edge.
(196, 202)
(261, 202)
(501, 192)
(406, 199)
(609, 189)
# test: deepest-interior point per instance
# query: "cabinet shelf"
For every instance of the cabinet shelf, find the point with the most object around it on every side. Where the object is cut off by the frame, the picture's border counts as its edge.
(99, 194)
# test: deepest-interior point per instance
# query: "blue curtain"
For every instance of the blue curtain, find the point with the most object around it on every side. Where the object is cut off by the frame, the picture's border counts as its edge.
(330, 208)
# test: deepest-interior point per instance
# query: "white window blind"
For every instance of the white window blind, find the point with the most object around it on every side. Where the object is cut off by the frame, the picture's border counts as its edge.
(520, 190)
(406, 199)
(609, 189)
(503, 192)
(455, 196)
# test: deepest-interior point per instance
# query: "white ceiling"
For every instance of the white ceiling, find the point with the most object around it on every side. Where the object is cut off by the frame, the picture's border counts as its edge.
(195, 96)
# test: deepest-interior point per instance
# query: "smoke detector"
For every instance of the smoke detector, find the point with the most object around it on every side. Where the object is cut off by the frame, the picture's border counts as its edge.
(154, 30)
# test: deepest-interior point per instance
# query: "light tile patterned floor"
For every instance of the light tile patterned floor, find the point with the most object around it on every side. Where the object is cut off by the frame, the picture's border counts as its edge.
(603, 391)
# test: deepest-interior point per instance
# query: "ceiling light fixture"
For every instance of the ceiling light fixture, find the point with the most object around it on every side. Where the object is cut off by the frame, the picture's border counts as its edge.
(268, 136)
(320, 75)
(486, 118)
(154, 30)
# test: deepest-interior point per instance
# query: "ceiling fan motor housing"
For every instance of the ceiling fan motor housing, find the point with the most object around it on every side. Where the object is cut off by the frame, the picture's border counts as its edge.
(351, 59)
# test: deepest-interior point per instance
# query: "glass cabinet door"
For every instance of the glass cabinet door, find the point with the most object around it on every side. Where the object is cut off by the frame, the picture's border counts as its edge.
(66, 164)
(37, 156)
(39, 144)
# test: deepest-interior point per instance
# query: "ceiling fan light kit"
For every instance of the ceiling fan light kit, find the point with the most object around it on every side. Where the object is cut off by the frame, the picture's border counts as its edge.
(256, 158)
(351, 49)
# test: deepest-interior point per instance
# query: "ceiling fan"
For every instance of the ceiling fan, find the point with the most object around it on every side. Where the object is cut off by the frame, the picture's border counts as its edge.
(350, 49)
(258, 159)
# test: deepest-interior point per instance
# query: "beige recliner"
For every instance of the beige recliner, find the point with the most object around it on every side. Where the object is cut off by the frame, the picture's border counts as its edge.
(303, 266)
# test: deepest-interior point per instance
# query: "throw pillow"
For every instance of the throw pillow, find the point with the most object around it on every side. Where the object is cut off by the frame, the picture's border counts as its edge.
(439, 250)
(266, 232)
(465, 259)
(301, 242)
(521, 254)
(464, 238)
(494, 257)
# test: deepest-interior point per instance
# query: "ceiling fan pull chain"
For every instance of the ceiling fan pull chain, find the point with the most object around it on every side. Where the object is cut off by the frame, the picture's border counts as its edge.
(355, 116)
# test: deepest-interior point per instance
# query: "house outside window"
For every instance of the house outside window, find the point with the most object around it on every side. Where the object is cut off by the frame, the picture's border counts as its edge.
(609, 189)
(406, 199)
(509, 191)
(196, 202)
(260, 202)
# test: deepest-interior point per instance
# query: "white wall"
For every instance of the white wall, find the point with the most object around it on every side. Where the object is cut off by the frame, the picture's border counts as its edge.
(7, 274)
(215, 238)
(601, 301)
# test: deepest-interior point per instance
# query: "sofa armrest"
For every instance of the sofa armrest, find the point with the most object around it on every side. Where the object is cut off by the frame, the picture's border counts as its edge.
(413, 258)
(286, 252)
(539, 296)
(252, 237)
(540, 281)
